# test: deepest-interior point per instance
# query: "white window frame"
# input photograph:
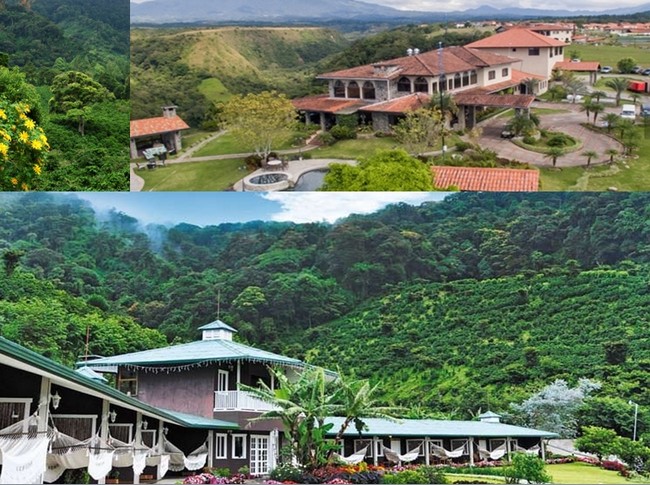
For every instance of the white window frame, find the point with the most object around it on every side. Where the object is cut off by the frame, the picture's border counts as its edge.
(122, 425)
(153, 435)
(500, 441)
(222, 374)
(244, 454)
(224, 448)
(456, 443)
(362, 443)
(92, 417)
(379, 444)
(411, 444)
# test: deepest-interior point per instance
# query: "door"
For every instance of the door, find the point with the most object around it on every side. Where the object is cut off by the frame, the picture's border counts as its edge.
(222, 381)
(259, 462)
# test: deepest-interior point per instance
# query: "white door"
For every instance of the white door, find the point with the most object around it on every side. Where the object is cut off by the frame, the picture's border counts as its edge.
(259, 464)
(222, 381)
(396, 446)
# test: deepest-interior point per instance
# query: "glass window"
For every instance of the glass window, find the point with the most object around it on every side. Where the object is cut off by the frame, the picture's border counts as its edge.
(368, 90)
(353, 90)
(339, 89)
(504, 72)
(457, 81)
(239, 446)
(220, 452)
(473, 78)
(361, 444)
(421, 85)
(533, 51)
(413, 444)
(404, 85)
(492, 75)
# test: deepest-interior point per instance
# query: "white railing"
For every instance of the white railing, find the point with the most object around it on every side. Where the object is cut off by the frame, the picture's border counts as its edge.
(239, 401)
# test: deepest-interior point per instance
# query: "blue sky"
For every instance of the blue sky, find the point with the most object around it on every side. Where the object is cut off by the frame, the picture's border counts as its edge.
(205, 208)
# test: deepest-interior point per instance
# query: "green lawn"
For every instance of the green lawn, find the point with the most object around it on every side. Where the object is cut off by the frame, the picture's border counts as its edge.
(226, 144)
(609, 55)
(579, 473)
(190, 137)
(214, 90)
(212, 175)
(353, 149)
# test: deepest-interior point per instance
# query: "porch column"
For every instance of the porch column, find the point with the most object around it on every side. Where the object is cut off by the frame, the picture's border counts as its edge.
(508, 449)
(426, 451)
(44, 404)
(210, 448)
(542, 446)
(161, 446)
(471, 451)
(462, 117)
(103, 428)
(238, 373)
(374, 450)
(322, 121)
(273, 382)
(134, 150)
(137, 439)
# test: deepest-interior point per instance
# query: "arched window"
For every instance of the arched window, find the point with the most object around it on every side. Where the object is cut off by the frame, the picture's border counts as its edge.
(443, 83)
(421, 85)
(457, 81)
(473, 78)
(339, 89)
(465, 79)
(353, 90)
(368, 90)
(404, 85)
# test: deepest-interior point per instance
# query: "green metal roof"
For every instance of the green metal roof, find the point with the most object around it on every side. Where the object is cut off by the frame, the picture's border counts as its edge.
(36, 362)
(197, 352)
(439, 429)
(217, 325)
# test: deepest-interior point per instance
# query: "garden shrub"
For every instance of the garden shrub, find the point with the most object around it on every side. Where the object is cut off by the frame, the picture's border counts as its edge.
(616, 466)
(559, 140)
(253, 162)
(424, 474)
(286, 472)
(340, 132)
(529, 140)
(461, 146)
(326, 138)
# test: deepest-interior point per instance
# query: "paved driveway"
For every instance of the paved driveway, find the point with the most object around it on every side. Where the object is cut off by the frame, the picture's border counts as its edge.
(562, 122)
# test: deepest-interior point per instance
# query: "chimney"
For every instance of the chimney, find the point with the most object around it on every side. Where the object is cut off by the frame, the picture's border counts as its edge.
(489, 417)
(416, 51)
(409, 52)
(169, 111)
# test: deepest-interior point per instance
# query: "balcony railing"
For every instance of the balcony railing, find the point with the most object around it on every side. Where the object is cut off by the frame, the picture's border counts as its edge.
(239, 401)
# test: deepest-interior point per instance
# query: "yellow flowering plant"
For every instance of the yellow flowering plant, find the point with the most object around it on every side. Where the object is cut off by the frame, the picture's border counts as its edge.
(23, 147)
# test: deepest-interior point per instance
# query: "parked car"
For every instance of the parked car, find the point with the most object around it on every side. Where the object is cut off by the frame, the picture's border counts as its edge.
(507, 134)
(646, 72)
(636, 70)
(645, 110)
(606, 69)
(628, 111)
(574, 98)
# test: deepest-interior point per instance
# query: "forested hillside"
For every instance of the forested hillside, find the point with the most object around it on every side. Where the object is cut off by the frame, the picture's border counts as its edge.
(196, 68)
(46, 44)
(472, 302)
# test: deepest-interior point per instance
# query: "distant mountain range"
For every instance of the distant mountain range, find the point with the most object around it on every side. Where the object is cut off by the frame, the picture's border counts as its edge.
(209, 11)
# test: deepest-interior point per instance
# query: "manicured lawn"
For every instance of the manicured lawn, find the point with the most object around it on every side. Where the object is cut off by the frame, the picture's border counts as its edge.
(579, 473)
(214, 90)
(212, 175)
(190, 137)
(226, 144)
(609, 55)
(458, 477)
(354, 149)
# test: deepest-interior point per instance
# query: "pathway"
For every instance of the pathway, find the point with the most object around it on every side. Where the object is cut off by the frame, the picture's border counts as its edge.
(569, 123)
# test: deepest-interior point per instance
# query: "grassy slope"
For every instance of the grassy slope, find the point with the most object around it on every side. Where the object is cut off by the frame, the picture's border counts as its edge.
(214, 175)
(580, 473)
(609, 55)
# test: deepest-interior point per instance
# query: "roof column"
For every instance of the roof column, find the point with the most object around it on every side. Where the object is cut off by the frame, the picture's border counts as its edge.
(542, 445)
(426, 451)
(238, 373)
(210, 448)
(508, 448)
(137, 439)
(44, 404)
(375, 450)
(471, 451)
(161, 446)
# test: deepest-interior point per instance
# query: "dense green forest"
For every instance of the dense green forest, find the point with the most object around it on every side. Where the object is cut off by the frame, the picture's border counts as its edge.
(43, 45)
(473, 302)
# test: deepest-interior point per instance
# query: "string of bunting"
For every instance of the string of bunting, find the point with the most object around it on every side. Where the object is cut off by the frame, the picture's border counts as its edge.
(194, 365)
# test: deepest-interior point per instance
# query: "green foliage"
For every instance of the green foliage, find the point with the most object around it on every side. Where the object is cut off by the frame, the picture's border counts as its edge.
(342, 132)
(286, 472)
(560, 140)
(419, 130)
(626, 65)
(423, 474)
(526, 467)
(598, 441)
(391, 170)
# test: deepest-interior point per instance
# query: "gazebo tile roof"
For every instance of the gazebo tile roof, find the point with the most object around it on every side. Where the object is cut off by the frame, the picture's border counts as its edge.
(155, 126)
(402, 104)
(486, 179)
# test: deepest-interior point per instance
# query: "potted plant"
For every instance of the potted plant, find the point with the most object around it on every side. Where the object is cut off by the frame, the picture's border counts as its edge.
(113, 477)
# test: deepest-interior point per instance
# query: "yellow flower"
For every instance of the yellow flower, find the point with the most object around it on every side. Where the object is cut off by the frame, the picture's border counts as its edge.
(24, 137)
(43, 138)
(37, 145)
(37, 169)
(30, 124)
(24, 186)
(5, 135)
(14, 181)
(3, 115)
(27, 109)
(22, 116)
(4, 148)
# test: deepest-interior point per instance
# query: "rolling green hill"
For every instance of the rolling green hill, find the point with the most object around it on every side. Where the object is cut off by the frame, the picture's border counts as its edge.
(190, 67)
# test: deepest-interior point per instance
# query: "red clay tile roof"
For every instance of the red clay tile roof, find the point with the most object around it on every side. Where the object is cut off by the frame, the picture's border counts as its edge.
(454, 59)
(520, 76)
(544, 27)
(486, 179)
(587, 66)
(323, 103)
(516, 38)
(494, 100)
(154, 126)
(402, 104)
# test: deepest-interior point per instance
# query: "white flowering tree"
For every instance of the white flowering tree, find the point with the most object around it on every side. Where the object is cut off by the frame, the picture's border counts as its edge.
(555, 407)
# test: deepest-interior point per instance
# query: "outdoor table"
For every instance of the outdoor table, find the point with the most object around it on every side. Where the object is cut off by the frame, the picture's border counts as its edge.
(274, 163)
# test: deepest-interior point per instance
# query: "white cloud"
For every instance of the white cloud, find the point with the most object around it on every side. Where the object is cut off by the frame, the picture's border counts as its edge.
(329, 206)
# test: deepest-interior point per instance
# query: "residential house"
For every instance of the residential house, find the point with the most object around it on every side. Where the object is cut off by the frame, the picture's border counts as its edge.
(160, 132)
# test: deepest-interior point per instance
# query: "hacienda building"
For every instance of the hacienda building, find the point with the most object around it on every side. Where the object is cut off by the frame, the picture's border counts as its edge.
(504, 70)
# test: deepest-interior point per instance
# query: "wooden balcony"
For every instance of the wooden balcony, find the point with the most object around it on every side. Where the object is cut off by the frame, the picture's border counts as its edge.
(239, 401)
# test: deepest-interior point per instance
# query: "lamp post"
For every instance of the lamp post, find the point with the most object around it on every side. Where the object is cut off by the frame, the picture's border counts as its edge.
(636, 414)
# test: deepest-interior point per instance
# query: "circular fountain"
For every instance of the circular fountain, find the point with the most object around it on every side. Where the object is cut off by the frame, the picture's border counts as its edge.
(266, 182)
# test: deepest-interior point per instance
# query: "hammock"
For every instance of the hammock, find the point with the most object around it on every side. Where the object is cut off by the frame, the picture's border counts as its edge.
(397, 458)
(440, 452)
(24, 452)
(495, 454)
(100, 459)
(176, 456)
(65, 453)
(129, 455)
(197, 458)
(529, 451)
(353, 459)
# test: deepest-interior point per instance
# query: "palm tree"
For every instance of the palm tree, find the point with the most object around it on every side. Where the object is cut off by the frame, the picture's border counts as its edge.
(589, 154)
(554, 153)
(612, 120)
(586, 107)
(612, 153)
(523, 123)
(624, 126)
(635, 98)
(531, 85)
(598, 95)
(575, 87)
(596, 109)
(618, 84)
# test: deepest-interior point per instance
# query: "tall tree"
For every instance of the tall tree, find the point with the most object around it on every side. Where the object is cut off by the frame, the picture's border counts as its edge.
(419, 130)
(259, 121)
(73, 93)
(618, 84)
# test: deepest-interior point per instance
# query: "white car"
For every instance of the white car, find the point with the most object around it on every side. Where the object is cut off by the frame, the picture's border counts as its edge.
(628, 111)
(574, 98)
(606, 69)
